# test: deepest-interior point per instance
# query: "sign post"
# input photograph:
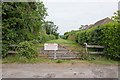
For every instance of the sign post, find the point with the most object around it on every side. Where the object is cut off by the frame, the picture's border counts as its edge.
(51, 46)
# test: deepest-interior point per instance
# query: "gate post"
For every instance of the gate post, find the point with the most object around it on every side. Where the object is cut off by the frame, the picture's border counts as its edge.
(55, 55)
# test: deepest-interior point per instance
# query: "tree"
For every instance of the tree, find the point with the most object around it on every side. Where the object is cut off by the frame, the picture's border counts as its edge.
(50, 28)
(22, 20)
(116, 16)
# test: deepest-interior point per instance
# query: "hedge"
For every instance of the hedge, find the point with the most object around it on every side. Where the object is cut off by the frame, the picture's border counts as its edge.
(107, 35)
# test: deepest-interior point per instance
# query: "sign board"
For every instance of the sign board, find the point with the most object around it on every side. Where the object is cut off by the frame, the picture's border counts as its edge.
(50, 46)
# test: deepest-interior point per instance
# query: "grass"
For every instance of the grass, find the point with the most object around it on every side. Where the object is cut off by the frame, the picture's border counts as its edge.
(17, 59)
(109, 62)
(100, 59)
(73, 46)
(70, 44)
(63, 42)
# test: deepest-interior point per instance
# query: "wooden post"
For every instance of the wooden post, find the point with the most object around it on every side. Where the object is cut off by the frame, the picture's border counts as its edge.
(86, 47)
(55, 55)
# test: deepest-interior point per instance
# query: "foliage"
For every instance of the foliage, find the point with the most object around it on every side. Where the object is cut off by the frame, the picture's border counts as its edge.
(87, 57)
(70, 35)
(59, 61)
(4, 50)
(19, 59)
(51, 28)
(116, 16)
(107, 35)
(23, 21)
(82, 37)
(44, 37)
(111, 40)
(27, 49)
(62, 41)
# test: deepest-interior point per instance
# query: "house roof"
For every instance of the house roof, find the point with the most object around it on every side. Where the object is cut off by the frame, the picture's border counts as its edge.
(100, 22)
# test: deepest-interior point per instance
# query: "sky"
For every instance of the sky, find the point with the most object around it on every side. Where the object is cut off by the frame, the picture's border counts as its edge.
(71, 14)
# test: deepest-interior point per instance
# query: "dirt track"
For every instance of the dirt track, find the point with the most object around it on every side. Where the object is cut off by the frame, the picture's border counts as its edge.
(52, 70)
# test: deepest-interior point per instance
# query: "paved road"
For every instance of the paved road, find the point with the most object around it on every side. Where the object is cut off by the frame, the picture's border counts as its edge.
(54, 70)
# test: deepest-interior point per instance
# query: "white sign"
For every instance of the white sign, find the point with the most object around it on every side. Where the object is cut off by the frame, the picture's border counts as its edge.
(50, 46)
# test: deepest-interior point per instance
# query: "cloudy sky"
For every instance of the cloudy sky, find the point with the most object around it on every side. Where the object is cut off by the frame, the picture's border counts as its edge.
(70, 14)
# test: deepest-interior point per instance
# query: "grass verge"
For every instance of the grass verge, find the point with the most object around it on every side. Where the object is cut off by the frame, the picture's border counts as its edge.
(17, 59)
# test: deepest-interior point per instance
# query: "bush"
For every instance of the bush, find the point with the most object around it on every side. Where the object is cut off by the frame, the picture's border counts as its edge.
(4, 50)
(111, 40)
(107, 35)
(51, 37)
(44, 37)
(27, 49)
(70, 35)
(35, 41)
(82, 38)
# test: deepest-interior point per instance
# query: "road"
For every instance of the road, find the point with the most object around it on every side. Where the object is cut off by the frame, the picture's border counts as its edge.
(62, 70)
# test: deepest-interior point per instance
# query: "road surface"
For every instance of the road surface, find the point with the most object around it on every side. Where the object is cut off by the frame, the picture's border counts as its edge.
(62, 70)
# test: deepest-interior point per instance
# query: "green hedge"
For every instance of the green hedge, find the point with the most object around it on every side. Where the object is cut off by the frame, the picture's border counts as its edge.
(107, 35)
(111, 40)
(44, 37)
(70, 35)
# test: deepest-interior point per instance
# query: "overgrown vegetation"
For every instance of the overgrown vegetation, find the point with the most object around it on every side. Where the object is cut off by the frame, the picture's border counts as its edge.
(19, 59)
(25, 21)
(24, 25)
(73, 46)
(27, 49)
(107, 35)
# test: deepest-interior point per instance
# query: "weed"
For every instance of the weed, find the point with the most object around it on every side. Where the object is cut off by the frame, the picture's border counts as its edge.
(59, 61)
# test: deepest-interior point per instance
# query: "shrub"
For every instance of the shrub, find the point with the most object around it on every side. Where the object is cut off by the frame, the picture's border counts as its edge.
(82, 37)
(27, 49)
(70, 35)
(44, 37)
(111, 40)
(107, 35)
(50, 37)
(35, 41)
(4, 50)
